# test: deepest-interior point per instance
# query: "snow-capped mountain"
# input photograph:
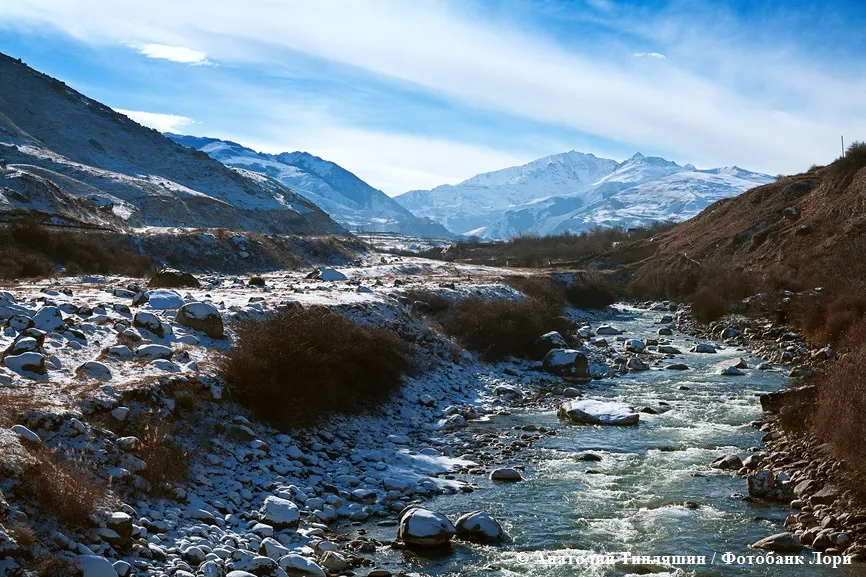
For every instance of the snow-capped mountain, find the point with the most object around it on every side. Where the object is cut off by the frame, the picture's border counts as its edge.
(69, 158)
(345, 197)
(636, 192)
(479, 200)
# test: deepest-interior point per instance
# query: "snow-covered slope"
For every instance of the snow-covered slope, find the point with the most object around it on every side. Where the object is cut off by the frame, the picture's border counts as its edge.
(636, 192)
(348, 199)
(69, 158)
(477, 201)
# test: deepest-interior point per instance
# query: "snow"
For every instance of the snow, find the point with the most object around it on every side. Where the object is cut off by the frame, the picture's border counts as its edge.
(594, 412)
(164, 299)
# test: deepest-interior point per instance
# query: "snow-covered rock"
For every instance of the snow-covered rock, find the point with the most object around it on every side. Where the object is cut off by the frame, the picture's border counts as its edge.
(26, 434)
(421, 527)
(95, 370)
(49, 319)
(202, 317)
(567, 362)
(153, 351)
(96, 566)
(163, 299)
(297, 566)
(279, 513)
(330, 274)
(31, 362)
(593, 412)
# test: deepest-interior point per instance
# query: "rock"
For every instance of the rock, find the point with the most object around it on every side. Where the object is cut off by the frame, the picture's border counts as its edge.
(173, 279)
(606, 329)
(95, 566)
(26, 362)
(547, 342)
(26, 434)
(729, 333)
(730, 371)
(298, 566)
(592, 412)
(333, 561)
(635, 364)
(634, 345)
(279, 513)
(703, 348)
(761, 483)
(201, 317)
(95, 370)
(567, 362)
(506, 475)
(49, 319)
(479, 527)
(826, 496)
(669, 350)
(151, 352)
(424, 528)
(677, 367)
(163, 299)
(780, 542)
(665, 331)
(727, 462)
(149, 322)
(773, 402)
(508, 391)
(330, 274)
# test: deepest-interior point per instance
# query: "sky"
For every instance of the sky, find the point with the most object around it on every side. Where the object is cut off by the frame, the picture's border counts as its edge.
(414, 94)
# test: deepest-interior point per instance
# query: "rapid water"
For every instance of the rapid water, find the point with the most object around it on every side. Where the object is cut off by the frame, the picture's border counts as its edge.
(652, 493)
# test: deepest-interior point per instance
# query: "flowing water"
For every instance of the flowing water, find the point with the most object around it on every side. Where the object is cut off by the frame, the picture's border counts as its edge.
(652, 493)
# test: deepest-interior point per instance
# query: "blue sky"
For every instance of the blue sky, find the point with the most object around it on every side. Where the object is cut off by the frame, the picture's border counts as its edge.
(415, 93)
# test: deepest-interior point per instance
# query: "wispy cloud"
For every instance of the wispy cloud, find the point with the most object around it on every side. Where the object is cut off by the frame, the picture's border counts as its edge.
(658, 55)
(173, 53)
(158, 121)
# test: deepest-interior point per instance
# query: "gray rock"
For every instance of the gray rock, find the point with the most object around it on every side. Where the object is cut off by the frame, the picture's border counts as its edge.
(201, 317)
(421, 527)
(780, 542)
(479, 527)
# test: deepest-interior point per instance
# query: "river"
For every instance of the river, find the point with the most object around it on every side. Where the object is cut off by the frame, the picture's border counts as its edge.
(652, 493)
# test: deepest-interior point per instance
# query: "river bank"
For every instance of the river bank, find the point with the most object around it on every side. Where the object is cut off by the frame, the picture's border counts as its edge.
(328, 498)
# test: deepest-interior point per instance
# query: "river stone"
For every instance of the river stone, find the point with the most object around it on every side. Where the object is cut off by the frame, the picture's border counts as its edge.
(202, 317)
(297, 566)
(567, 362)
(780, 542)
(669, 350)
(727, 462)
(592, 412)
(634, 345)
(677, 367)
(703, 348)
(635, 364)
(279, 513)
(730, 371)
(96, 566)
(826, 496)
(606, 329)
(665, 332)
(547, 342)
(506, 474)
(424, 528)
(479, 527)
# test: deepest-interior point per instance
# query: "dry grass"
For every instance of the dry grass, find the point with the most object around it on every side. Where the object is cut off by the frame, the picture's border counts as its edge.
(62, 486)
(499, 328)
(32, 251)
(167, 461)
(592, 290)
(303, 363)
(52, 566)
(24, 535)
(256, 281)
(544, 288)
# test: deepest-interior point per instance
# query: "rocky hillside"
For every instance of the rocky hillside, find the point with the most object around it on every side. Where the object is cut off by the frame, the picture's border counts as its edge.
(345, 197)
(67, 158)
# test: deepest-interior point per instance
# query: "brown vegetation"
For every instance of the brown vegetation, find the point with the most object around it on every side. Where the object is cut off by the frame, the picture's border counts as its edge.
(53, 566)
(62, 486)
(167, 461)
(32, 251)
(302, 363)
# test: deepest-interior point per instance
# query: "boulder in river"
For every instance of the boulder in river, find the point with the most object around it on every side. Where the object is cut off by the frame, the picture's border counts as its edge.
(593, 412)
(506, 475)
(567, 363)
(606, 329)
(703, 348)
(780, 543)
(479, 527)
(727, 462)
(548, 342)
(422, 527)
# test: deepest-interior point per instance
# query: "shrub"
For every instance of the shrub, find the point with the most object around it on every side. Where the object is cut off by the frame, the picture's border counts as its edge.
(592, 291)
(24, 535)
(63, 487)
(544, 288)
(167, 461)
(708, 306)
(499, 328)
(256, 281)
(432, 302)
(303, 363)
(842, 404)
(53, 566)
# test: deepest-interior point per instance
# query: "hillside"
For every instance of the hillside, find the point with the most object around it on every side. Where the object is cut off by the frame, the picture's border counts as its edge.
(345, 197)
(573, 192)
(70, 159)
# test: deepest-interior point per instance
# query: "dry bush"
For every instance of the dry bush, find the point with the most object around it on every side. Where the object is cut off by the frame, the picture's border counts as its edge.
(854, 158)
(62, 486)
(827, 321)
(592, 290)
(30, 250)
(842, 402)
(24, 535)
(431, 302)
(53, 566)
(499, 328)
(256, 281)
(302, 363)
(167, 461)
(544, 288)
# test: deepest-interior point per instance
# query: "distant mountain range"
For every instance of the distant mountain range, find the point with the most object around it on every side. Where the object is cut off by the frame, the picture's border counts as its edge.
(72, 160)
(572, 191)
(345, 197)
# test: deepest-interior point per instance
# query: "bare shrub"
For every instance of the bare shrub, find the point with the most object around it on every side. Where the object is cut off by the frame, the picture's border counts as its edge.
(24, 535)
(430, 301)
(167, 460)
(544, 288)
(256, 281)
(62, 486)
(302, 363)
(52, 566)
(592, 290)
(499, 328)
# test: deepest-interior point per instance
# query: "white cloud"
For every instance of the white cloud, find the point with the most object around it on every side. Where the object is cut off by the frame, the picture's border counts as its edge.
(173, 53)
(658, 55)
(155, 120)
(789, 120)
